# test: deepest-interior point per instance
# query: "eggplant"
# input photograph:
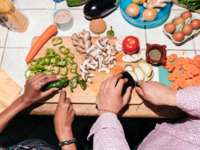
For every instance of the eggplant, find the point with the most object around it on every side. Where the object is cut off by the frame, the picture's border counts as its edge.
(95, 9)
(131, 80)
(72, 3)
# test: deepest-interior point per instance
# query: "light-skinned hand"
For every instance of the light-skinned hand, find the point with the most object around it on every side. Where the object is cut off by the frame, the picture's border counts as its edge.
(157, 93)
(32, 92)
(110, 98)
(63, 118)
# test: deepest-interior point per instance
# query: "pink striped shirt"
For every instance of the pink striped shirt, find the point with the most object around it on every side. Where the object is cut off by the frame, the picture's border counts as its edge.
(183, 135)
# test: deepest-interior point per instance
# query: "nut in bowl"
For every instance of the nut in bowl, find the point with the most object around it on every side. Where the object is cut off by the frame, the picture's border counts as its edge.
(184, 29)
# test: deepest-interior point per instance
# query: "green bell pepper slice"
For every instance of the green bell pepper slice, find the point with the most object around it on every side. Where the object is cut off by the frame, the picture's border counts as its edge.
(29, 73)
(38, 66)
(50, 53)
(62, 82)
(72, 56)
(72, 70)
(33, 61)
(66, 71)
(64, 50)
(77, 78)
(82, 84)
(35, 70)
(54, 70)
(52, 60)
(69, 59)
(46, 72)
(73, 65)
(41, 61)
(61, 62)
(57, 41)
(47, 60)
(73, 83)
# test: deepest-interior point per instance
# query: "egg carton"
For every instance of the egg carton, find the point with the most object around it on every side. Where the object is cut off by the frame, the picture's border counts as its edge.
(180, 28)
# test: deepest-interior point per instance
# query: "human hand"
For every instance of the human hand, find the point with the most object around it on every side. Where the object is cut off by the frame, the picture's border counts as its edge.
(157, 93)
(33, 91)
(110, 98)
(63, 118)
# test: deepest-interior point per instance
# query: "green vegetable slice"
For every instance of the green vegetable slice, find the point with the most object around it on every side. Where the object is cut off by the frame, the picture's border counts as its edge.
(28, 74)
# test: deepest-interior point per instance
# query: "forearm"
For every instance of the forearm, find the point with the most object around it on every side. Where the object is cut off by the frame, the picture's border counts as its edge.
(66, 136)
(7, 115)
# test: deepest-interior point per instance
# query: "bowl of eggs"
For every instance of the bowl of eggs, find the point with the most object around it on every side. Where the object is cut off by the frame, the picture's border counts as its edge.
(182, 27)
(144, 17)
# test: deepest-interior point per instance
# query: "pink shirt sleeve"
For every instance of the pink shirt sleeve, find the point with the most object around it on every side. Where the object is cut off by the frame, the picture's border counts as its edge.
(188, 100)
(108, 133)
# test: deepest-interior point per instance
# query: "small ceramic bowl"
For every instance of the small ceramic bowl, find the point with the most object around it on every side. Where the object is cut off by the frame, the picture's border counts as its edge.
(65, 26)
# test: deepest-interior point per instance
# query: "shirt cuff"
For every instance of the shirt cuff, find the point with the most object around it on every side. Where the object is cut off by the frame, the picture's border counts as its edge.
(107, 120)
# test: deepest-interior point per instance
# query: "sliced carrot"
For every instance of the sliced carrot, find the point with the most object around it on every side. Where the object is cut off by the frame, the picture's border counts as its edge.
(184, 70)
(167, 65)
(194, 71)
(197, 63)
(186, 66)
(197, 58)
(181, 60)
(198, 76)
(174, 86)
(177, 81)
(193, 66)
(189, 74)
(174, 56)
(196, 81)
(188, 59)
(174, 62)
(185, 75)
(189, 82)
(182, 84)
(171, 77)
(171, 68)
(176, 73)
(192, 61)
(178, 66)
(170, 58)
(182, 76)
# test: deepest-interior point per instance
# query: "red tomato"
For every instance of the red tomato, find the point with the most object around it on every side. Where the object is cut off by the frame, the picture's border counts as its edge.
(130, 44)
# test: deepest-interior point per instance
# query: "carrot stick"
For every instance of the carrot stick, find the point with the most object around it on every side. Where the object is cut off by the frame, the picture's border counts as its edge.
(167, 65)
(174, 86)
(178, 66)
(196, 81)
(182, 84)
(171, 68)
(189, 82)
(181, 60)
(176, 73)
(171, 77)
(186, 66)
(170, 58)
(194, 71)
(48, 33)
(174, 56)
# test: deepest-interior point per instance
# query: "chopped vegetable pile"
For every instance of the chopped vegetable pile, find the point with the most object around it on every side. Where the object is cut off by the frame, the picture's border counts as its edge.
(191, 4)
(185, 71)
(53, 63)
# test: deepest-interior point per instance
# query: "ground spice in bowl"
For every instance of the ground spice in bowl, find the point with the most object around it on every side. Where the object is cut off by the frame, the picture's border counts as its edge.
(155, 54)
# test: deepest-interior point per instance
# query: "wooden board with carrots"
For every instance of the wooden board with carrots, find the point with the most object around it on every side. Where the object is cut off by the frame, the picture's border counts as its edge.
(183, 71)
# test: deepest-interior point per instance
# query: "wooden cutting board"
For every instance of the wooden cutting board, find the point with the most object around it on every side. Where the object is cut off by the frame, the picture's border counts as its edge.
(88, 95)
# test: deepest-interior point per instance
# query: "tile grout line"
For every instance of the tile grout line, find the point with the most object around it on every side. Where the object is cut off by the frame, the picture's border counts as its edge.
(4, 48)
(194, 45)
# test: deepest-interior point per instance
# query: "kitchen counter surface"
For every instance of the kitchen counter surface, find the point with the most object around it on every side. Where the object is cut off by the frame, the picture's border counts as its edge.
(15, 46)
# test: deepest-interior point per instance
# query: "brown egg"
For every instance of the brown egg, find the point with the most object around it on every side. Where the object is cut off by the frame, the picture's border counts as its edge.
(187, 29)
(195, 24)
(178, 36)
(170, 28)
(178, 21)
(186, 15)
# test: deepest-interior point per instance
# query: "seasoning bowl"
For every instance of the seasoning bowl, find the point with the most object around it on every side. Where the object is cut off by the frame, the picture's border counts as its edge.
(65, 26)
(156, 54)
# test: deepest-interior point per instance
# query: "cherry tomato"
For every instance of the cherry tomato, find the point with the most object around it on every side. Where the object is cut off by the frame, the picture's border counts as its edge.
(130, 44)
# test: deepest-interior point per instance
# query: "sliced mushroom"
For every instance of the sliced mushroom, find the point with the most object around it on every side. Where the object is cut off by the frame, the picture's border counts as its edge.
(104, 70)
(107, 58)
(93, 47)
(83, 69)
(83, 76)
(120, 39)
(89, 66)
(90, 75)
(85, 63)
(90, 80)
(94, 53)
(133, 58)
(117, 48)
(101, 43)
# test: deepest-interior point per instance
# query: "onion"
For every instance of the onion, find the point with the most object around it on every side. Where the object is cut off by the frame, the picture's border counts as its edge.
(133, 10)
(149, 14)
